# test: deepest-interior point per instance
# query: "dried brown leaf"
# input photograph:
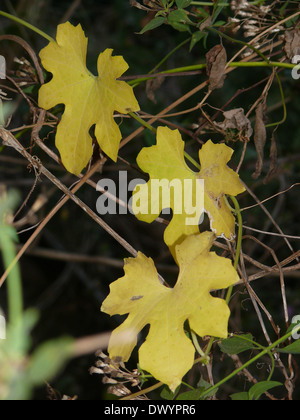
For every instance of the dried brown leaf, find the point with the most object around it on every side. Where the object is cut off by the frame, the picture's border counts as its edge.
(96, 370)
(216, 60)
(106, 380)
(152, 86)
(260, 138)
(236, 119)
(273, 158)
(292, 43)
(205, 24)
(119, 390)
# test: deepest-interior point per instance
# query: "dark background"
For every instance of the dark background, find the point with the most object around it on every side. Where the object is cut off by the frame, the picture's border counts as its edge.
(69, 295)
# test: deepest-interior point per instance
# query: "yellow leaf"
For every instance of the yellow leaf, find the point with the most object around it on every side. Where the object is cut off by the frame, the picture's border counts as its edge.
(89, 100)
(166, 161)
(167, 353)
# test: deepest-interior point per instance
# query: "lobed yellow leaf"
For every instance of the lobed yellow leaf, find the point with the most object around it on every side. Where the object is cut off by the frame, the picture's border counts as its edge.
(89, 100)
(166, 161)
(168, 354)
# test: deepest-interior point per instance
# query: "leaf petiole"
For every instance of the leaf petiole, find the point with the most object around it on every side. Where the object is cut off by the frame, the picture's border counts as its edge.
(142, 122)
(27, 25)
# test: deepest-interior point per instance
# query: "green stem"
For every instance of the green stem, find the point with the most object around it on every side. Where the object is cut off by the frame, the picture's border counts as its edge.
(193, 162)
(14, 289)
(142, 122)
(136, 82)
(283, 104)
(14, 283)
(196, 344)
(202, 66)
(273, 365)
(259, 346)
(143, 392)
(250, 362)
(169, 55)
(266, 62)
(263, 64)
(28, 25)
(237, 41)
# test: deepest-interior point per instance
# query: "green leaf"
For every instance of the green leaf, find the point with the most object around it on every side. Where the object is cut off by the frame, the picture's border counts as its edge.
(241, 396)
(155, 23)
(48, 360)
(206, 386)
(260, 388)
(179, 20)
(291, 22)
(218, 9)
(291, 349)
(202, 12)
(220, 23)
(237, 345)
(181, 4)
(167, 394)
(194, 395)
(196, 37)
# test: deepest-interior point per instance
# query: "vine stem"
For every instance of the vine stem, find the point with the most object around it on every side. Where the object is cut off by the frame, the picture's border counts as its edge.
(142, 122)
(202, 66)
(196, 344)
(28, 25)
(266, 62)
(267, 350)
(142, 392)
(236, 260)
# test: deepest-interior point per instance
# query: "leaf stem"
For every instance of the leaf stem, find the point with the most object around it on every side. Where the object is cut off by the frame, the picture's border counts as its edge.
(169, 55)
(142, 392)
(27, 25)
(142, 122)
(196, 344)
(202, 66)
(283, 104)
(196, 164)
(266, 62)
